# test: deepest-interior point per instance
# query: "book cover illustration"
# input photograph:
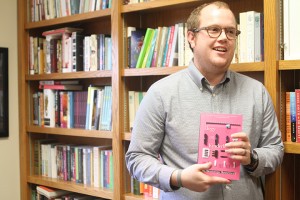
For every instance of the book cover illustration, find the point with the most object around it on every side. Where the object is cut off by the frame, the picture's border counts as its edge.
(137, 40)
(215, 132)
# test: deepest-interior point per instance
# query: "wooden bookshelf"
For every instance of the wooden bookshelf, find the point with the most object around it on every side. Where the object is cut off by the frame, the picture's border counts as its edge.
(114, 21)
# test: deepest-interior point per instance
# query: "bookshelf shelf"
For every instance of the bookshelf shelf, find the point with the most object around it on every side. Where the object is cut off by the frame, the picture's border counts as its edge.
(157, 5)
(126, 136)
(70, 186)
(152, 71)
(289, 64)
(241, 67)
(71, 132)
(71, 75)
(292, 147)
(69, 19)
(248, 67)
(130, 196)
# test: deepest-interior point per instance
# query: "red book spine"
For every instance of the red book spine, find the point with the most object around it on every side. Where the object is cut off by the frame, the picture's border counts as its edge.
(297, 93)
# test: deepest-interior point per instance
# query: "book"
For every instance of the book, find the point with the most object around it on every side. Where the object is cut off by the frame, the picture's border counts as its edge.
(297, 102)
(215, 132)
(136, 43)
(54, 82)
(77, 51)
(65, 35)
(243, 38)
(145, 47)
(61, 87)
(131, 108)
(173, 60)
(106, 112)
(128, 44)
(293, 116)
(162, 45)
(49, 108)
(288, 132)
(290, 30)
(50, 192)
(156, 47)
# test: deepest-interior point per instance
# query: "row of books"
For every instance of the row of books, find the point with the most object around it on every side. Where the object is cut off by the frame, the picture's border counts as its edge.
(134, 99)
(168, 46)
(68, 50)
(50, 9)
(148, 191)
(250, 43)
(41, 192)
(57, 106)
(293, 116)
(158, 47)
(88, 165)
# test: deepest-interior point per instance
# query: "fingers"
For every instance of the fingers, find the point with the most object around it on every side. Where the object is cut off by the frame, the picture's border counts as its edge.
(194, 178)
(240, 149)
(205, 166)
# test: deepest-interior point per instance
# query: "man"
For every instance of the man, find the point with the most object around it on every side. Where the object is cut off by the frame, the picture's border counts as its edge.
(168, 120)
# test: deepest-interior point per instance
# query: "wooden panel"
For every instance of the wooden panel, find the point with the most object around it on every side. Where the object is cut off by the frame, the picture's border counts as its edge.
(289, 64)
(297, 176)
(287, 180)
(271, 55)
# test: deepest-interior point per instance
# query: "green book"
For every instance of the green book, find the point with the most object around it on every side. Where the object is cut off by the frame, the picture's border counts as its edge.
(146, 44)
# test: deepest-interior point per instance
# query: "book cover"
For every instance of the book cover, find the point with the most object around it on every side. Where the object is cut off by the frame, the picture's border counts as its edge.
(77, 51)
(49, 108)
(215, 132)
(136, 43)
(50, 192)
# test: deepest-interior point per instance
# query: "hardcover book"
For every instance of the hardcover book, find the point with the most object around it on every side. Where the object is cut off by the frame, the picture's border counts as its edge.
(215, 132)
(136, 43)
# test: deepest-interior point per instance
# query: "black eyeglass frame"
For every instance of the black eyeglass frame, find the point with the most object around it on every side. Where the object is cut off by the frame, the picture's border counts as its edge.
(197, 30)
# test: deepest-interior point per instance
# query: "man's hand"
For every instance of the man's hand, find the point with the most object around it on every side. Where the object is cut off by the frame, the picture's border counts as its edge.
(194, 179)
(239, 149)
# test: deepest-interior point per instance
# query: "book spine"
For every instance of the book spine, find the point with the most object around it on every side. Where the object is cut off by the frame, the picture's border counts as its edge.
(288, 117)
(146, 42)
(293, 116)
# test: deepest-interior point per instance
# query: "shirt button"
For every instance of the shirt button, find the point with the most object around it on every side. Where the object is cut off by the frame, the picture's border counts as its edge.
(213, 94)
(201, 89)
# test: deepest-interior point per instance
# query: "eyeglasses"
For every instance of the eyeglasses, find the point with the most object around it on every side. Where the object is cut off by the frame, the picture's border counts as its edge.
(216, 31)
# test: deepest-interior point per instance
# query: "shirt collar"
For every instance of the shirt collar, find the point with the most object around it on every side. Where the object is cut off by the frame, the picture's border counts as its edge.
(199, 79)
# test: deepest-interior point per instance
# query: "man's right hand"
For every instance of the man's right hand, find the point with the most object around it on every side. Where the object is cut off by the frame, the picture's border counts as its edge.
(194, 179)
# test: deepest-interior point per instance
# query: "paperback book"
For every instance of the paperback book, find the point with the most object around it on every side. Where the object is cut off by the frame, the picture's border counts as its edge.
(215, 132)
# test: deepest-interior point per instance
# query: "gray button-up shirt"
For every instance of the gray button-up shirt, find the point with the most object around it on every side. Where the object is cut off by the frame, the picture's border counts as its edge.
(168, 122)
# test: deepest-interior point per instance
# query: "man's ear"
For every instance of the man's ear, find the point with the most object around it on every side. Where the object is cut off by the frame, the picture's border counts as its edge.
(191, 39)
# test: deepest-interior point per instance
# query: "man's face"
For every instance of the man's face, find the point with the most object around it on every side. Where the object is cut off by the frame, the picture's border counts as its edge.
(213, 55)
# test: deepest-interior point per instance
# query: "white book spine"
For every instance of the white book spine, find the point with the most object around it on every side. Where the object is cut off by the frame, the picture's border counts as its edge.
(257, 37)
(250, 36)
(243, 38)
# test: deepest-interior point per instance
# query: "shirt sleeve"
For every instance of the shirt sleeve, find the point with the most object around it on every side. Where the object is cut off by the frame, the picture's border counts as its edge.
(147, 135)
(270, 149)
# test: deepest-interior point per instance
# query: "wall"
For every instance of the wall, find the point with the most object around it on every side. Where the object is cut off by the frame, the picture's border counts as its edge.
(9, 147)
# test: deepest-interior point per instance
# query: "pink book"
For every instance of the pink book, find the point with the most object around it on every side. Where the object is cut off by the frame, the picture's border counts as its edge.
(215, 132)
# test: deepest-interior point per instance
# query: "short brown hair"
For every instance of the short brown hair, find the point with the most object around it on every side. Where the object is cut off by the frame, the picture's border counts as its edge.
(193, 21)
